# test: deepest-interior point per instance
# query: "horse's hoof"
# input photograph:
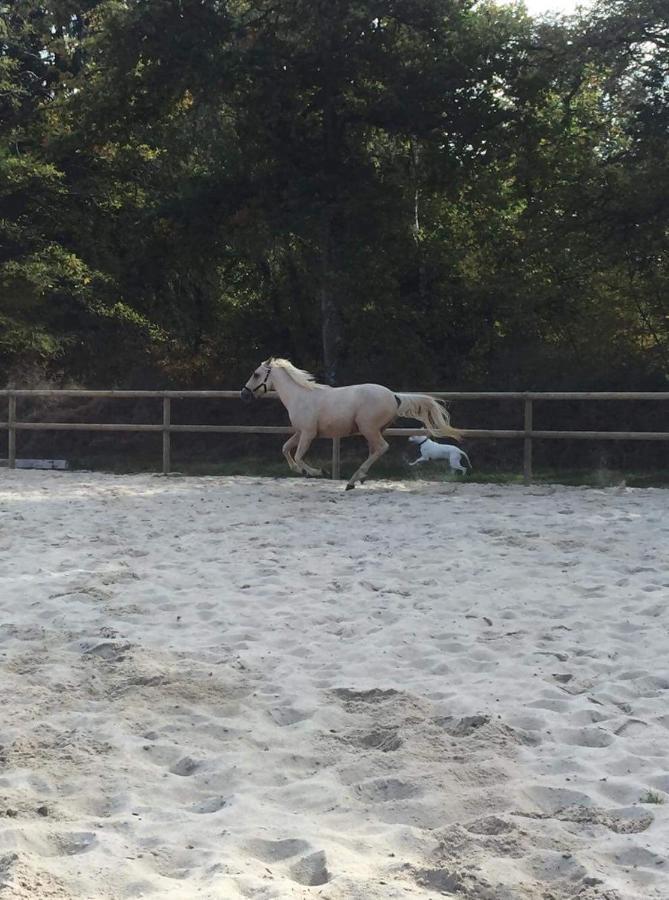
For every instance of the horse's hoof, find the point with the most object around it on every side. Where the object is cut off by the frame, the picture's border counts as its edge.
(349, 487)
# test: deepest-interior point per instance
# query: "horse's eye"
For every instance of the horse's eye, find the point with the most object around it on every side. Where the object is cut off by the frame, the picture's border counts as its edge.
(257, 373)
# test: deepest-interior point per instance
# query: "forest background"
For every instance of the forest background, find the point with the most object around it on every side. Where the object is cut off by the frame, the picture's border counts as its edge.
(437, 194)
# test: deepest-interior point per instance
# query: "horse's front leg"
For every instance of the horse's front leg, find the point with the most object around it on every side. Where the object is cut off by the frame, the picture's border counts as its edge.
(287, 447)
(377, 447)
(303, 445)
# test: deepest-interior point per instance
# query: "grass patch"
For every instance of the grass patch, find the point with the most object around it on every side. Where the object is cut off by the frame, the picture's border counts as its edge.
(651, 797)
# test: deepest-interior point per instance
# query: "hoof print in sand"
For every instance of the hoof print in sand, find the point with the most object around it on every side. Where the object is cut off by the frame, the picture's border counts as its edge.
(462, 727)
(458, 884)
(595, 892)
(628, 820)
(185, 766)
(586, 737)
(286, 715)
(311, 870)
(440, 880)
(70, 844)
(352, 698)
(551, 800)
(383, 790)
(210, 805)
(638, 857)
(384, 739)
(573, 806)
(551, 866)
(631, 727)
(108, 651)
(64, 843)
(489, 825)
(274, 851)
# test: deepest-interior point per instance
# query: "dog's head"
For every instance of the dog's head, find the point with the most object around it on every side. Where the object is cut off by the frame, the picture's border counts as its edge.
(417, 438)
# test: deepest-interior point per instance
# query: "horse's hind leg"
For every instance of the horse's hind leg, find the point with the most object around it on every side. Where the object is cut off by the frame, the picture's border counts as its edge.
(287, 447)
(302, 447)
(377, 447)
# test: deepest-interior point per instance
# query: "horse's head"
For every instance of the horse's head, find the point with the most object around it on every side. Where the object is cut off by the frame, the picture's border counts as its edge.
(259, 382)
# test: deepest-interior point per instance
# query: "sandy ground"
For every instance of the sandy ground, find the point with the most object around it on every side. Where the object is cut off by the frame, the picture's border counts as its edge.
(235, 687)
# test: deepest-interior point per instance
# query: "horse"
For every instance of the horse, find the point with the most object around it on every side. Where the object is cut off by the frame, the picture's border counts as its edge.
(318, 410)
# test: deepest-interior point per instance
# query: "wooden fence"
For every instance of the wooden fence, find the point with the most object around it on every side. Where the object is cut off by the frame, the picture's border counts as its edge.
(527, 434)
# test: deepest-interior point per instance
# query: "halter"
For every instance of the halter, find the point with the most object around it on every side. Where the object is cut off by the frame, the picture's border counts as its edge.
(263, 384)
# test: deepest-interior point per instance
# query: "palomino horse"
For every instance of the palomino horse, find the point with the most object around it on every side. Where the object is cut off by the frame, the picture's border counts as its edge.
(317, 410)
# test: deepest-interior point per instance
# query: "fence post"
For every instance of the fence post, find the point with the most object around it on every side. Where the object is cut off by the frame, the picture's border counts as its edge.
(527, 444)
(11, 431)
(336, 447)
(166, 435)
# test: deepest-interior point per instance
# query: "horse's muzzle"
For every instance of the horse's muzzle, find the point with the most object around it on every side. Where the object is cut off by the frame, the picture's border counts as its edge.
(247, 395)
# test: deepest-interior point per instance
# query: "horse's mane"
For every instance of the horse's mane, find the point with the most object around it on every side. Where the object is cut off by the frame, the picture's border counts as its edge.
(299, 376)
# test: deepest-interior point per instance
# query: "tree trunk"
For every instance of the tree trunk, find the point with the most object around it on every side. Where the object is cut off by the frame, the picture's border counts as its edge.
(415, 224)
(331, 324)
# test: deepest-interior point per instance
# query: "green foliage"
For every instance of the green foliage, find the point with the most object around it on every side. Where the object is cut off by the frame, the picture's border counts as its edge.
(436, 194)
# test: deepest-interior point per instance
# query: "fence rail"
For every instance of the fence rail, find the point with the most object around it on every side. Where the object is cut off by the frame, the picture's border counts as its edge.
(528, 434)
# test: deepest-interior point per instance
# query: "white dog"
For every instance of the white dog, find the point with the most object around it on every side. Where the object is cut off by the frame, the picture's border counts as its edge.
(432, 450)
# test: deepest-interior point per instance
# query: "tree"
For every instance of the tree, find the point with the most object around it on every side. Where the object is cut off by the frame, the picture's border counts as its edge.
(432, 193)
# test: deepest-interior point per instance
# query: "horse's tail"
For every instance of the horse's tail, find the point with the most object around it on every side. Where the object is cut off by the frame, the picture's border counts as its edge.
(430, 412)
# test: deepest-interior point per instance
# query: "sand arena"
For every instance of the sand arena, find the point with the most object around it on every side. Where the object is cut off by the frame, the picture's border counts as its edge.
(240, 687)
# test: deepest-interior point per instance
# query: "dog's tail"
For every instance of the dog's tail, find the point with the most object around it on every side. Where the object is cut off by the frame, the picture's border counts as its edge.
(430, 412)
(466, 459)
